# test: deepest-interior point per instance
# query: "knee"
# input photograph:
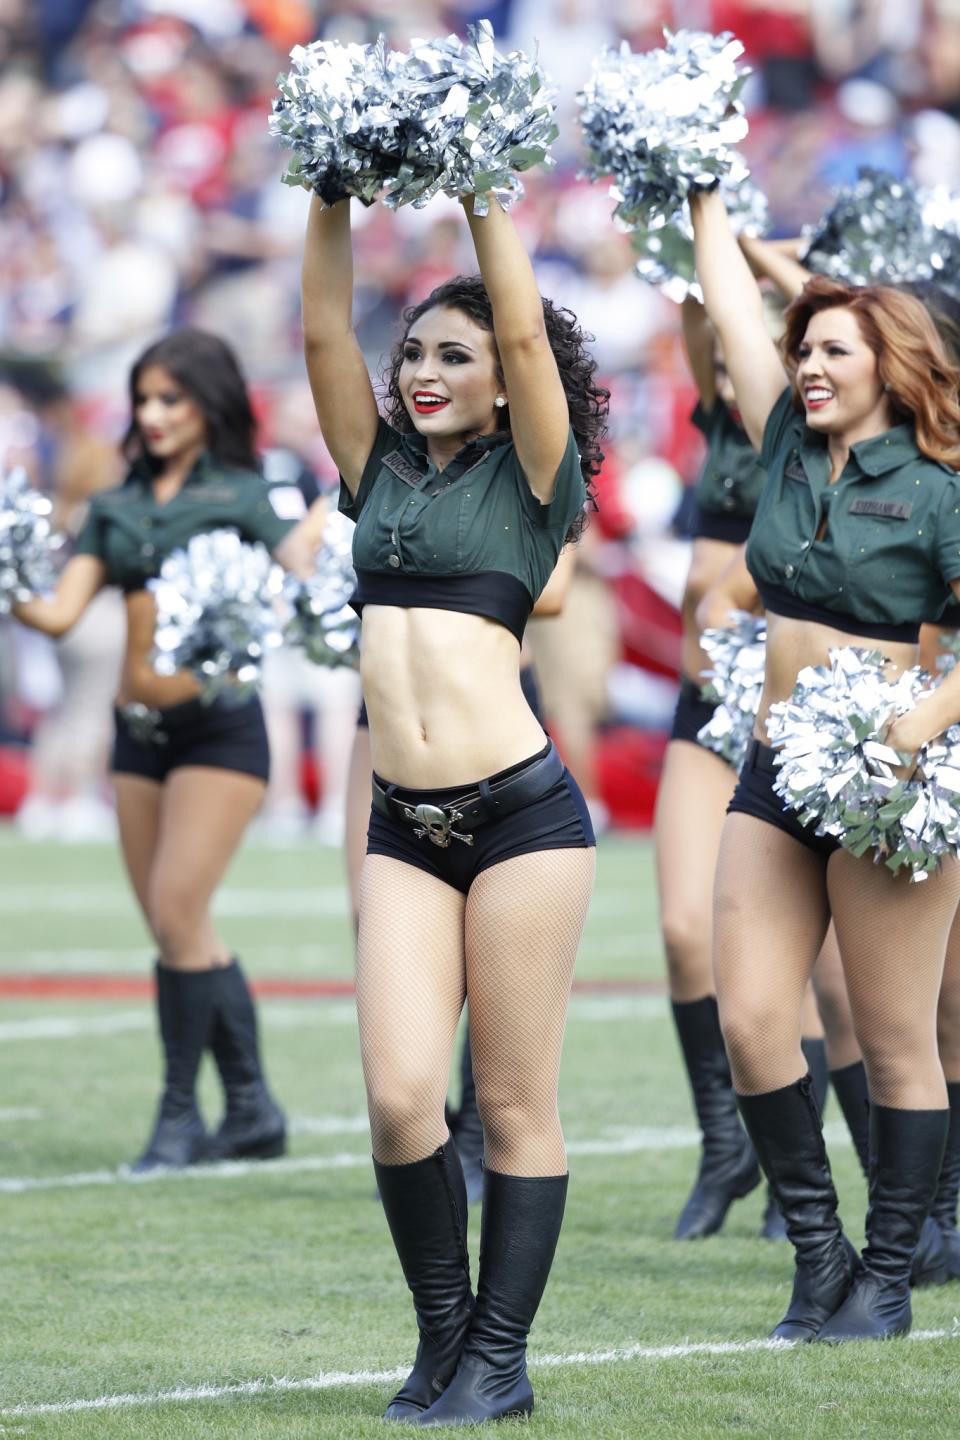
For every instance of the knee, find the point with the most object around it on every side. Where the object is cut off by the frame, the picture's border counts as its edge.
(509, 1115)
(754, 1032)
(172, 912)
(897, 1057)
(685, 923)
(400, 1098)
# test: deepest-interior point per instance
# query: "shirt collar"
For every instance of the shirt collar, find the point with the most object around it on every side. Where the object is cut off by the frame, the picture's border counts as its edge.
(415, 445)
(141, 473)
(875, 456)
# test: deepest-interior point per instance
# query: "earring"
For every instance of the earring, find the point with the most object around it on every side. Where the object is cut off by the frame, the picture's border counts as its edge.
(500, 402)
(886, 386)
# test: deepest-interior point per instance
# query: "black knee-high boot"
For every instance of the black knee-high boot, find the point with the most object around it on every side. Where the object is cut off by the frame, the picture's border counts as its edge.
(815, 1053)
(906, 1150)
(185, 1003)
(948, 1189)
(785, 1128)
(929, 1265)
(254, 1126)
(521, 1224)
(728, 1165)
(850, 1087)
(467, 1129)
(426, 1209)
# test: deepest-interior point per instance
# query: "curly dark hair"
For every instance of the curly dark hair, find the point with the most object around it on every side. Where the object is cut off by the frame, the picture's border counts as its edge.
(587, 403)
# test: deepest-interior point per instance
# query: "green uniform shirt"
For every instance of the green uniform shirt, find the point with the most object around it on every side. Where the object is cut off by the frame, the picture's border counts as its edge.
(132, 534)
(476, 515)
(731, 480)
(892, 537)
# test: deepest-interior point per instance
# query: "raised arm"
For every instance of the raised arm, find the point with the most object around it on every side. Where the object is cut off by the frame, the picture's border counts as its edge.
(539, 420)
(775, 263)
(698, 341)
(342, 392)
(735, 306)
(83, 578)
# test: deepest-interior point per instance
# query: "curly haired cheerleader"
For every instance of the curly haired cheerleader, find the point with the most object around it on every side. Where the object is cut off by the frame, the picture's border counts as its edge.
(480, 852)
(856, 536)
(188, 786)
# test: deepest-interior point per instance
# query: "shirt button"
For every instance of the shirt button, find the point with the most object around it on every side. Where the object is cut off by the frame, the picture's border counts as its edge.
(146, 550)
(728, 483)
(789, 571)
(393, 560)
(805, 545)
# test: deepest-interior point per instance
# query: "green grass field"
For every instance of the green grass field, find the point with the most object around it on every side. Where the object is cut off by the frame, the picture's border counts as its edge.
(267, 1302)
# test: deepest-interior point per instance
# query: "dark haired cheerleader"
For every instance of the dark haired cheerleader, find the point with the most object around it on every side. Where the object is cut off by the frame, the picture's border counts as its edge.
(188, 776)
(859, 435)
(480, 854)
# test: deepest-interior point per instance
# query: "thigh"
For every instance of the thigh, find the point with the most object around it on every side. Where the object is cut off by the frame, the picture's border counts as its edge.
(770, 917)
(948, 1009)
(695, 789)
(893, 939)
(359, 780)
(138, 803)
(410, 965)
(204, 813)
(524, 918)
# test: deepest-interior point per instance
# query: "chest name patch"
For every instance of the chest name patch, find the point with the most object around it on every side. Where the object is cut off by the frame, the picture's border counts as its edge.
(891, 509)
(404, 469)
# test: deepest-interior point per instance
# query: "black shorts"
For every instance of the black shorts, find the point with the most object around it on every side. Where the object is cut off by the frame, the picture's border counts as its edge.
(755, 796)
(557, 820)
(528, 684)
(692, 712)
(222, 735)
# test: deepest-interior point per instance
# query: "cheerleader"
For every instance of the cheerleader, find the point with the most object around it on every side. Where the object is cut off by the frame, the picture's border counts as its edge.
(866, 432)
(480, 852)
(188, 776)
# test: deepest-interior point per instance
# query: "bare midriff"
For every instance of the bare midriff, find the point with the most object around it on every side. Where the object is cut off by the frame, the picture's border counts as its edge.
(443, 696)
(707, 563)
(793, 644)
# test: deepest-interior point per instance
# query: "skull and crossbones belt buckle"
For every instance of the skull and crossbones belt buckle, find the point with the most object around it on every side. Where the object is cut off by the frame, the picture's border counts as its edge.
(436, 825)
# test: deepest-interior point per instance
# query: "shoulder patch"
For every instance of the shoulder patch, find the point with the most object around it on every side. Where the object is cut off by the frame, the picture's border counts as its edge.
(398, 464)
(222, 494)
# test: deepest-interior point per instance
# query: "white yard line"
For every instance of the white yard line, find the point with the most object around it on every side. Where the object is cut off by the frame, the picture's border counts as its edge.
(342, 1379)
(105, 900)
(19, 1112)
(631, 1142)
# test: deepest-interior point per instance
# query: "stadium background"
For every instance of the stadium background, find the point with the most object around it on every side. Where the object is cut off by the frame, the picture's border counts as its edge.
(139, 189)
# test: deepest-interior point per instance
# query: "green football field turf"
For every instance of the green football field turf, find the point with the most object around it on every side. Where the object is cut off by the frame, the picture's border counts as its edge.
(265, 1301)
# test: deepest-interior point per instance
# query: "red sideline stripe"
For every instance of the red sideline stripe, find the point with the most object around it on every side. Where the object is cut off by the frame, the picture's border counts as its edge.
(138, 987)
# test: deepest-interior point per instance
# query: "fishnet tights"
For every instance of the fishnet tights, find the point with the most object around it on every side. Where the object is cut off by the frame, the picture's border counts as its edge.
(772, 903)
(511, 943)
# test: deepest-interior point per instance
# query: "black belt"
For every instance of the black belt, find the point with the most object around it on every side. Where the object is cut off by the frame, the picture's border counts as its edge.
(761, 757)
(491, 800)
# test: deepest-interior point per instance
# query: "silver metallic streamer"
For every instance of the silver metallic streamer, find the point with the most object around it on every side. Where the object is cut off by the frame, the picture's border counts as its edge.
(736, 681)
(660, 124)
(221, 607)
(450, 116)
(323, 624)
(885, 231)
(837, 771)
(28, 544)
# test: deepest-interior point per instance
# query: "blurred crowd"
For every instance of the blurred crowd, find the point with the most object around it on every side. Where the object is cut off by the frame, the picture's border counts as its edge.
(139, 189)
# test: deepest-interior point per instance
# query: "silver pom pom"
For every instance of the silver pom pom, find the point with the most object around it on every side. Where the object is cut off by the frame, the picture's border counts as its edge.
(838, 773)
(885, 231)
(659, 125)
(451, 116)
(323, 624)
(735, 681)
(28, 545)
(221, 606)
